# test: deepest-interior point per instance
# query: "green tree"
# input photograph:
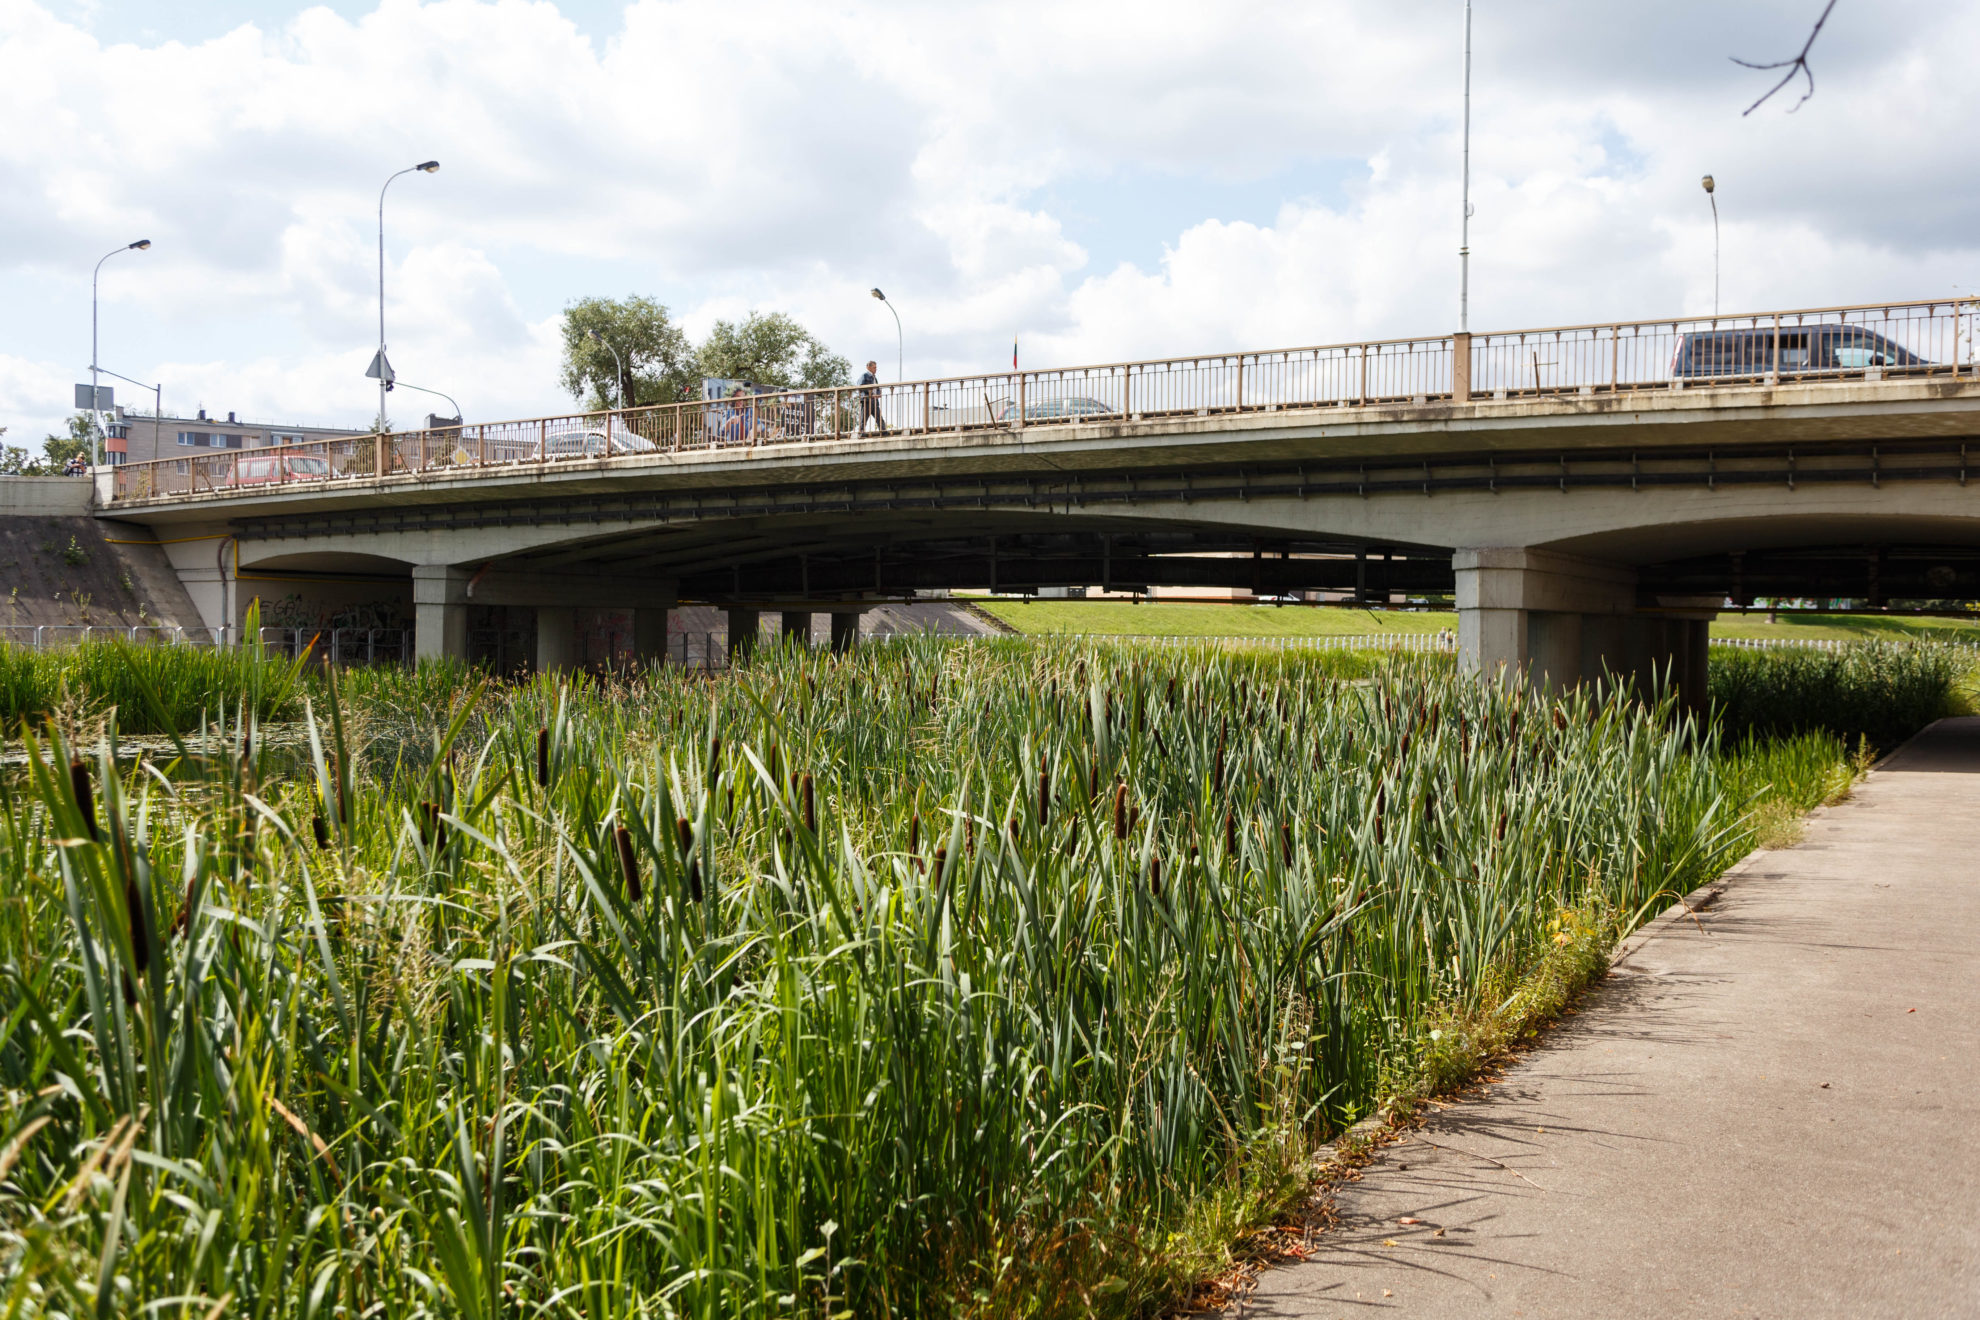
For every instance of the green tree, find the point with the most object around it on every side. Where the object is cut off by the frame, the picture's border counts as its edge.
(61, 448)
(57, 450)
(658, 359)
(770, 348)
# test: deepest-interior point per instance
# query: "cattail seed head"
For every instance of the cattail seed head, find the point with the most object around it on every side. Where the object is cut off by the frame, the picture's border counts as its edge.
(694, 880)
(914, 833)
(941, 861)
(432, 830)
(140, 944)
(1044, 795)
(85, 797)
(1230, 831)
(1286, 841)
(1155, 876)
(969, 833)
(1120, 811)
(1502, 824)
(320, 830)
(543, 758)
(809, 807)
(628, 864)
(685, 833)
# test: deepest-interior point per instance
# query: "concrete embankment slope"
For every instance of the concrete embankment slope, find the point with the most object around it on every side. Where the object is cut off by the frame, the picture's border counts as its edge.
(61, 566)
(1770, 1110)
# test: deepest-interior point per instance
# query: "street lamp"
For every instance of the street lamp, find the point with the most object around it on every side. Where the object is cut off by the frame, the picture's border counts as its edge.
(620, 379)
(95, 452)
(900, 373)
(1464, 224)
(379, 366)
(403, 385)
(1710, 195)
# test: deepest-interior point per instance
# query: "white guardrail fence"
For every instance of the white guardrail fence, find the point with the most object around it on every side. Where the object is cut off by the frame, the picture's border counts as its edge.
(710, 651)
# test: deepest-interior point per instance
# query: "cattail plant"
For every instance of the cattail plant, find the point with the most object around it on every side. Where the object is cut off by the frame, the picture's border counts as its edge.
(85, 797)
(628, 864)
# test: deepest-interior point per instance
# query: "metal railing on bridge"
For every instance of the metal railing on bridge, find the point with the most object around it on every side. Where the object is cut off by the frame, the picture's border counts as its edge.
(1863, 343)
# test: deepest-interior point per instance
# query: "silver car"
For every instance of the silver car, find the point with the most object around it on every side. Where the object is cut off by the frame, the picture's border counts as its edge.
(590, 442)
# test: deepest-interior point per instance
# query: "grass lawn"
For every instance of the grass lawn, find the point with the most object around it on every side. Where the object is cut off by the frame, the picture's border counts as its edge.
(1847, 628)
(1119, 618)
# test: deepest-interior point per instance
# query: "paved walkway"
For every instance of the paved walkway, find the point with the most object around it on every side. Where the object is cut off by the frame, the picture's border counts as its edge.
(1772, 1112)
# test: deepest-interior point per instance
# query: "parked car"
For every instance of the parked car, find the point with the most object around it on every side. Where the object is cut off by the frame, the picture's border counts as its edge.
(1050, 410)
(259, 469)
(589, 442)
(1806, 348)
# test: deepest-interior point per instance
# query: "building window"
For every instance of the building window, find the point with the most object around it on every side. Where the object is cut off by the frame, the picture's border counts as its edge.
(192, 438)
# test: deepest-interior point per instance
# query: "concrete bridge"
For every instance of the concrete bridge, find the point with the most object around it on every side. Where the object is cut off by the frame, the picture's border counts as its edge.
(1592, 494)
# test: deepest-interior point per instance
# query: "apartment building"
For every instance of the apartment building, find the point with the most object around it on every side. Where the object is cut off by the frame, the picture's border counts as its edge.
(137, 437)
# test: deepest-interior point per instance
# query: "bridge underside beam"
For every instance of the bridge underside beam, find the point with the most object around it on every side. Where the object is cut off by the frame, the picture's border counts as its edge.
(1034, 561)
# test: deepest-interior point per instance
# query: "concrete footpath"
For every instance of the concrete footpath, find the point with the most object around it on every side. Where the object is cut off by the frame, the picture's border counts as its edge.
(1771, 1110)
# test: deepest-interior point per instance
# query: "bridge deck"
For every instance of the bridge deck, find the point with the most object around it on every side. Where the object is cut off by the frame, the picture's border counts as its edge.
(1816, 376)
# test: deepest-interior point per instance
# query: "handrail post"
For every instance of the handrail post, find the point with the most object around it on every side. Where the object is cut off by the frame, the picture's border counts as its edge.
(924, 408)
(1615, 358)
(1461, 367)
(1361, 399)
(1774, 368)
(1020, 400)
(1127, 391)
(1240, 383)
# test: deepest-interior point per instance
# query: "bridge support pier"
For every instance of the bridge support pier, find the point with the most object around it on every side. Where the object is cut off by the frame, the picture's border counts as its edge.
(796, 627)
(556, 638)
(743, 626)
(1559, 620)
(440, 628)
(649, 635)
(845, 630)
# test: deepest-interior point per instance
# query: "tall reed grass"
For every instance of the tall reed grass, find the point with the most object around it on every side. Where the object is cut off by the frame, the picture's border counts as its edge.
(1882, 692)
(941, 980)
(153, 689)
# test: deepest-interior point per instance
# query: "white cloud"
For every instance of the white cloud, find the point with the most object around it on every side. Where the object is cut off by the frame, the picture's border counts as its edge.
(772, 153)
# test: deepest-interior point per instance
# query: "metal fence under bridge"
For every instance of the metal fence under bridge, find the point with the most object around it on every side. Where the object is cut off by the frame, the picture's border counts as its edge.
(1864, 343)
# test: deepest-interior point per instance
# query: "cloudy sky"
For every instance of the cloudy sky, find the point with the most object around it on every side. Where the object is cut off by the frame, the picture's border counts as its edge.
(1103, 180)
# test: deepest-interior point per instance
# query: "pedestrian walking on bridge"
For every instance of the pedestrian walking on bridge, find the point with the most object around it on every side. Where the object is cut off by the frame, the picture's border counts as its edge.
(869, 399)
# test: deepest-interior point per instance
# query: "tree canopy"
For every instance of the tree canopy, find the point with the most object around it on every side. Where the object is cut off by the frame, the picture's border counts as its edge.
(56, 450)
(661, 365)
(770, 348)
(659, 361)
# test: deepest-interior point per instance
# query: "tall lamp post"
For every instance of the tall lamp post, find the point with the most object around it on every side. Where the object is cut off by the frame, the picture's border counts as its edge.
(1464, 225)
(380, 366)
(620, 379)
(900, 351)
(1711, 196)
(95, 450)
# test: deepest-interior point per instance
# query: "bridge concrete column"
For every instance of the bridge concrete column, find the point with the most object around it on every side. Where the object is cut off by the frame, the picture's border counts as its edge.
(649, 635)
(743, 625)
(556, 638)
(439, 612)
(1557, 620)
(796, 626)
(845, 630)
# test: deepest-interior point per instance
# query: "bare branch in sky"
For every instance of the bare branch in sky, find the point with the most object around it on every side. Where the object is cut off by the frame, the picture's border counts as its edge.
(1799, 64)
